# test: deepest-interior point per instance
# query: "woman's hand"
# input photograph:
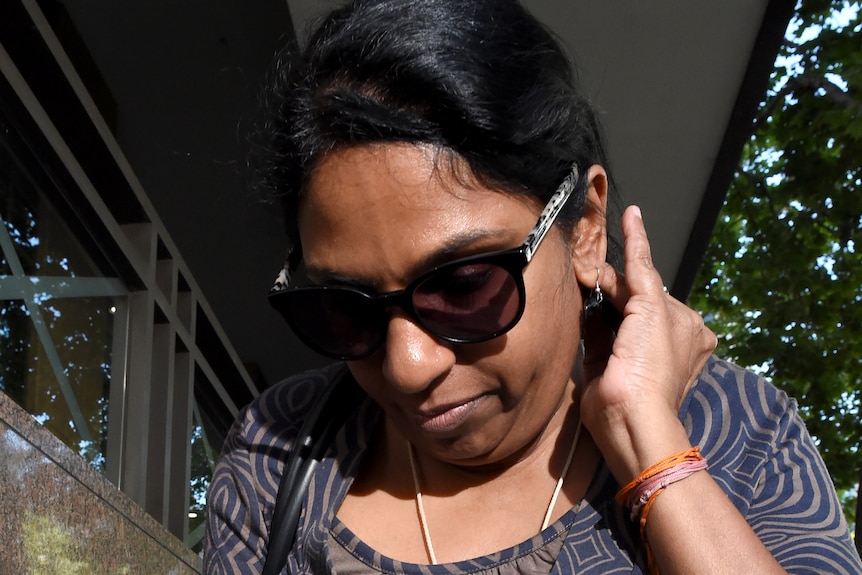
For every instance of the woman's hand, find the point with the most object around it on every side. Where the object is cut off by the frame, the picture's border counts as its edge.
(636, 381)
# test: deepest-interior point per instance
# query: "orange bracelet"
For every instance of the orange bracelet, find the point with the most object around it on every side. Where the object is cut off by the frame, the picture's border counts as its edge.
(690, 454)
(641, 492)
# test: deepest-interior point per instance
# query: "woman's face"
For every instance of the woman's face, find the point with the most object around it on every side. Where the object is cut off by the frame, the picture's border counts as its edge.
(378, 215)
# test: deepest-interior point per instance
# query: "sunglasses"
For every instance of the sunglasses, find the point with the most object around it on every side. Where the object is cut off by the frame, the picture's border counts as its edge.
(468, 300)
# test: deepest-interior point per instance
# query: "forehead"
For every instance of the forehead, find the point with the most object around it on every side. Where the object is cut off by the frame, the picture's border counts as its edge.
(395, 183)
(399, 203)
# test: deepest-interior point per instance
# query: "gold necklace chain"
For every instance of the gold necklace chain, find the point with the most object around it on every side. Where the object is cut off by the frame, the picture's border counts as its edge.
(420, 507)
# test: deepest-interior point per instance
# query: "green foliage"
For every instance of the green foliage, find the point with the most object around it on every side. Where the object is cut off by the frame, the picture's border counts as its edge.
(781, 282)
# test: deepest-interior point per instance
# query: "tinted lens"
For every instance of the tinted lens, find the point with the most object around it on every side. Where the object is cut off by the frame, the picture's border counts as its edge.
(337, 322)
(471, 301)
(468, 302)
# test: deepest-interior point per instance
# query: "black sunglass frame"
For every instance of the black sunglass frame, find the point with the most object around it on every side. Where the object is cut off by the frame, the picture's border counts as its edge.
(512, 261)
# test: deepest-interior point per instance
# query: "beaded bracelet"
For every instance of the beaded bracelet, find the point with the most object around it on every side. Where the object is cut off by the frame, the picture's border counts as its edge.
(641, 492)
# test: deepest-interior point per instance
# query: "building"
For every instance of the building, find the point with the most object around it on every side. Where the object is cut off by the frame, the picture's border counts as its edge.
(133, 320)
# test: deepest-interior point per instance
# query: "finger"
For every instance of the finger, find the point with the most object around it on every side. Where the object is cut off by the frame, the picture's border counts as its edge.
(641, 275)
(613, 284)
(701, 340)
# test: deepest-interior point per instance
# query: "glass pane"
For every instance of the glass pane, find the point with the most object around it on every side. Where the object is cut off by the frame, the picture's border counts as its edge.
(55, 361)
(203, 462)
(57, 313)
(43, 244)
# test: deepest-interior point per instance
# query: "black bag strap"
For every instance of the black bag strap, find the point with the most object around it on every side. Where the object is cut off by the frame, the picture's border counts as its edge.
(325, 418)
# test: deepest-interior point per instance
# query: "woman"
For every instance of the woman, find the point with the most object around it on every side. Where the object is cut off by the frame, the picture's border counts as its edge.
(438, 152)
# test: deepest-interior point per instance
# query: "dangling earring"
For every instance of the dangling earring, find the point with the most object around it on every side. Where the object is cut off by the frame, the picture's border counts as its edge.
(593, 304)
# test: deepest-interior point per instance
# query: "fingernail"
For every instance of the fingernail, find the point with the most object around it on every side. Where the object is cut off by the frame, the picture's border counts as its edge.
(638, 212)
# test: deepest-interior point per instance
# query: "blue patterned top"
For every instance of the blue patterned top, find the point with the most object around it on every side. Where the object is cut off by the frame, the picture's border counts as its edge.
(757, 446)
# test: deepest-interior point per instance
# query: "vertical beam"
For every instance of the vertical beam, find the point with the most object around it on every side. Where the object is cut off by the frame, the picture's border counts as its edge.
(177, 486)
(161, 405)
(137, 407)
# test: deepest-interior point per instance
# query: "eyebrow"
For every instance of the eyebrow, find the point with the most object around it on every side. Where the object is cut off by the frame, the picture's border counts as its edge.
(454, 248)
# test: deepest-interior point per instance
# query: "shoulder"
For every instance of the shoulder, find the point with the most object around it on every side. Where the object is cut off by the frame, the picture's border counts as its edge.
(738, 385)
(742, 423)
(761, 454)
(245, 481)
(275, 416)
(257, 444)
(755, 441)
(726, 399)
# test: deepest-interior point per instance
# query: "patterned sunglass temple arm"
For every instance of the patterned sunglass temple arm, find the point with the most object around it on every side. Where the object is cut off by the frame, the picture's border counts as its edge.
(285, 275)
(550, 213)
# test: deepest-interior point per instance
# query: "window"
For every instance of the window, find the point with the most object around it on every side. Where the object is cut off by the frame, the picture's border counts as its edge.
(104, 337)
(61, 318)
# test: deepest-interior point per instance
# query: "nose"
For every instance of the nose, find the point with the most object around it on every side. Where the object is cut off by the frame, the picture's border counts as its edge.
(414, 358)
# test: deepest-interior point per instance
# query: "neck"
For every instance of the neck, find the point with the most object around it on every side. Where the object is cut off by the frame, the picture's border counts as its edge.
(550, 507)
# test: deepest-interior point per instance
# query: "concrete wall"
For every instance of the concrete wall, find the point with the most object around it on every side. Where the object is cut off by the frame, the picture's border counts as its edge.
(59, 515)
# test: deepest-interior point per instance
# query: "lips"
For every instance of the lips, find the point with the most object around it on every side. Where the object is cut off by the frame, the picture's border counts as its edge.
(448, 417)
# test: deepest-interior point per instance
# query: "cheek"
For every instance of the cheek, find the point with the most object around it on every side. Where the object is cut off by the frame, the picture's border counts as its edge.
(554, 303)
(548, 337)
(367, 373)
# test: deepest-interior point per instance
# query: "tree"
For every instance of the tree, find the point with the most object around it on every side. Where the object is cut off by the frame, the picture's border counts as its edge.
(781, 281)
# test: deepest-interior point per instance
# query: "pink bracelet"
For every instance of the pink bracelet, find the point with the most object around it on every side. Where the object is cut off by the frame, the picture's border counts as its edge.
(642, 493)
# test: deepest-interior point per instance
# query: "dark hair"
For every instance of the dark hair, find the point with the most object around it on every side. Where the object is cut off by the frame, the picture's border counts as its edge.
(480, 78)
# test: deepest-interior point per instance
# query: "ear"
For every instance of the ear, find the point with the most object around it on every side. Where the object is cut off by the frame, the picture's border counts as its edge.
(590, 237)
